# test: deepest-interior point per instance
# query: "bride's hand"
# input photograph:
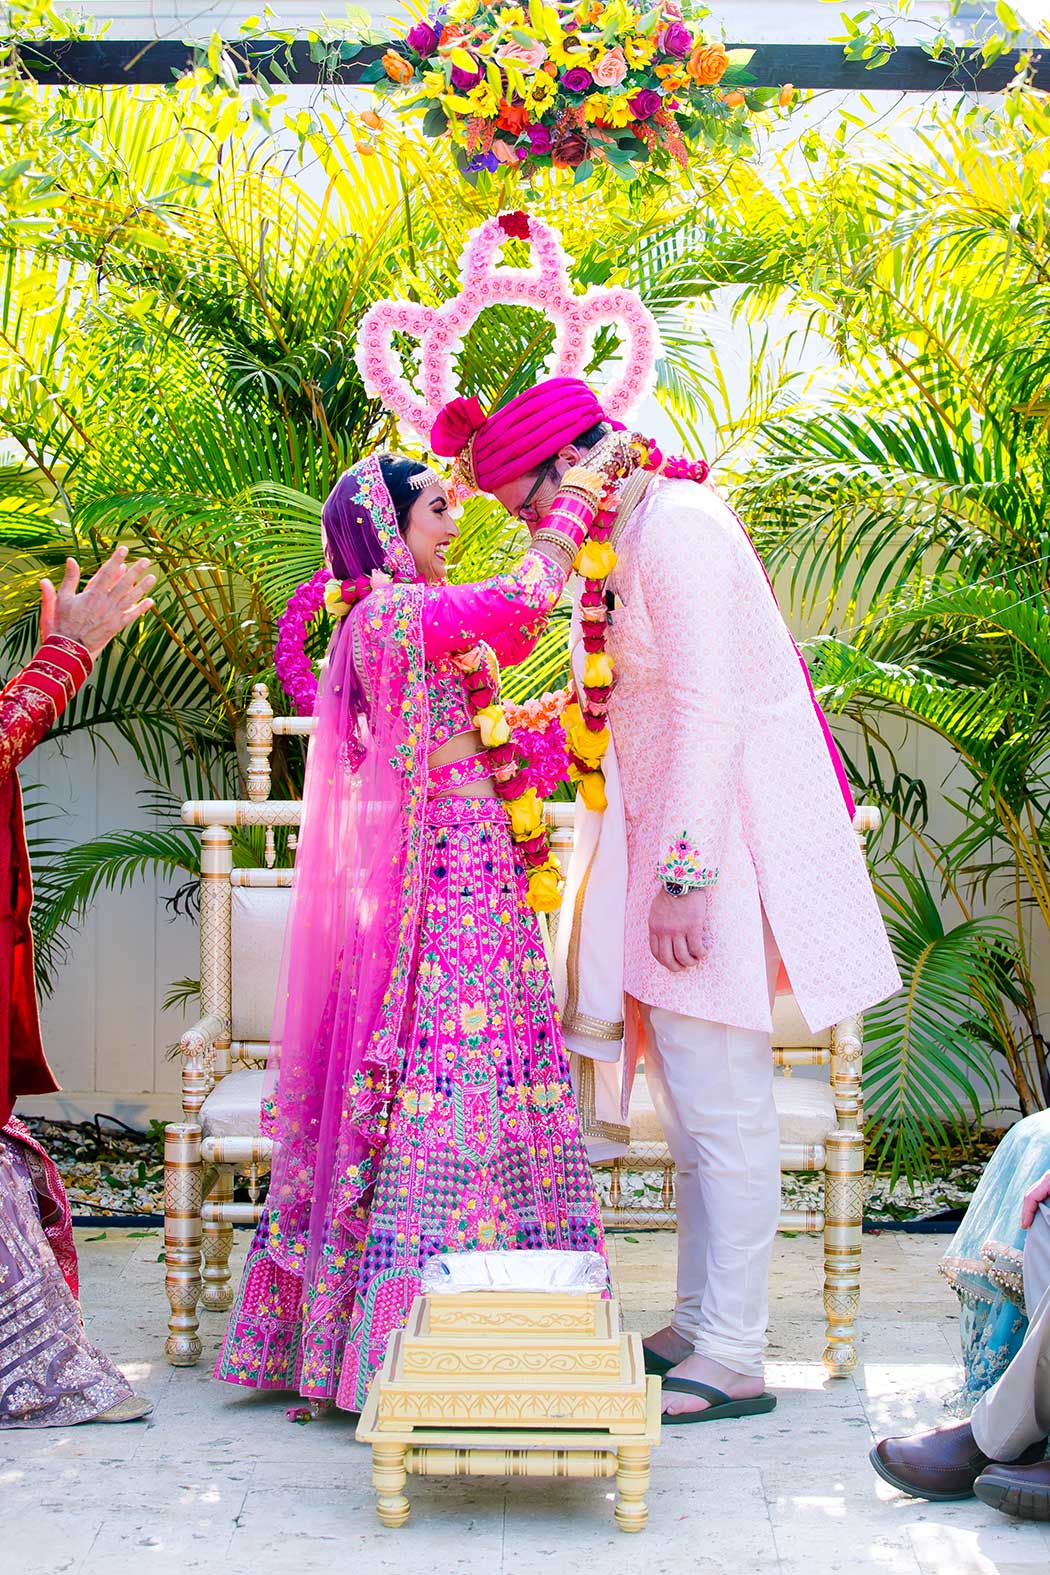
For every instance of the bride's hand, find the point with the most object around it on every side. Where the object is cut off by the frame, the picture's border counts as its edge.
(615, 456)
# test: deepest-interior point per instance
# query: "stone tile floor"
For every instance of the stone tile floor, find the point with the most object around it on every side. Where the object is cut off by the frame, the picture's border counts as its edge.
(220, 1481)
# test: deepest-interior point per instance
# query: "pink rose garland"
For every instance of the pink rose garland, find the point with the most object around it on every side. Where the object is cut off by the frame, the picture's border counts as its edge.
(544, 286)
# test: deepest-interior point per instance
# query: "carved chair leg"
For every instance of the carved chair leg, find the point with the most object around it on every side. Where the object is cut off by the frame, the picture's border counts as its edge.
(843, 1219)
(218, 1244)
(632, 1484)
(182, 1240)
(388, 1479)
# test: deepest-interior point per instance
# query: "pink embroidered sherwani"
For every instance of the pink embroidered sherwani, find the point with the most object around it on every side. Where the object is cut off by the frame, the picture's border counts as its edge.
(718, 741)
(719, 759)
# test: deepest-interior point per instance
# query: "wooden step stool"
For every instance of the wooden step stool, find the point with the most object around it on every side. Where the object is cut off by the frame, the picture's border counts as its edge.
(513, 1384)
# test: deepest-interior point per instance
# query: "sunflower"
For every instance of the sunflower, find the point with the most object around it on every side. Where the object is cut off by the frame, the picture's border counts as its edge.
(541, 94)
(638, 51)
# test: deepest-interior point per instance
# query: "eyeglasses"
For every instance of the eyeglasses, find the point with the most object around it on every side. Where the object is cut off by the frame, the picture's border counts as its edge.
(545, 474)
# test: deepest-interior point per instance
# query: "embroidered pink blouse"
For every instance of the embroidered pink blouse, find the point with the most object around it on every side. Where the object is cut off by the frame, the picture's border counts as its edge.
(506, 613)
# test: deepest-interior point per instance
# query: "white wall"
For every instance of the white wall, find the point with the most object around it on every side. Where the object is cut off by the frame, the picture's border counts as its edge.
(105, 1033)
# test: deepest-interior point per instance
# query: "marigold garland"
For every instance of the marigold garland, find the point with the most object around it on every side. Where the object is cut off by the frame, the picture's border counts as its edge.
(524, 805)
(586, 728)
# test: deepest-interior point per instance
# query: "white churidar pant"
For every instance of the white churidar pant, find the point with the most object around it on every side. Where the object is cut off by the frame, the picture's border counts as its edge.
(712, 1088)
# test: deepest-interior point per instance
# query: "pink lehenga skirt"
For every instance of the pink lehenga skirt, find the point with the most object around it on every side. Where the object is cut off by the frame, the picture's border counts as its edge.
(484, 1148)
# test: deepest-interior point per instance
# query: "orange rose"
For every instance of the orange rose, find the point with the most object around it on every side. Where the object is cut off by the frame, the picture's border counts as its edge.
(365, 149)
(787, 93)
(368, 117)
(708, 64)
(397, 67)
(512, 118)
(734, 99)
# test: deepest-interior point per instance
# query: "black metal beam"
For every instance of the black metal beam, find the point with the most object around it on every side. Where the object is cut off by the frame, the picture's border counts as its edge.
(105, 62)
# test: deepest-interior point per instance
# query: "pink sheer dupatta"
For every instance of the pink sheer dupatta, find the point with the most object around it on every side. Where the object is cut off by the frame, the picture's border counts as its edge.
(348, 951)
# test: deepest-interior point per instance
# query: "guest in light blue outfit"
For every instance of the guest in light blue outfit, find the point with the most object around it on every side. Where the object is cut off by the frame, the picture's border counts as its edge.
(983, 1263)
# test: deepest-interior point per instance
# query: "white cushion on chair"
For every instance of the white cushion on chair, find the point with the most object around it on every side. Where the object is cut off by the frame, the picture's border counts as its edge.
(805, 1110)
(232, 1109)
(790, 1030)
(256, 940)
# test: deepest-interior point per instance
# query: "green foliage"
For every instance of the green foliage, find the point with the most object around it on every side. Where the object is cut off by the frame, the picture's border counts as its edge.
(903, 505)
(178, 318)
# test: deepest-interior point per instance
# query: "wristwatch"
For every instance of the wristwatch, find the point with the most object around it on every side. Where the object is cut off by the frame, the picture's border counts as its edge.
(674, 888)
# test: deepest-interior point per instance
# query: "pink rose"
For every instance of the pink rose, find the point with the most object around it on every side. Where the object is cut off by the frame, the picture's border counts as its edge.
(675, 39)
(531, 55)
(611, 69)
(644, 103)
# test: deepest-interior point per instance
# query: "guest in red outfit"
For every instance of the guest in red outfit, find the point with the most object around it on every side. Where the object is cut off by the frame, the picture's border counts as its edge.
(50, 1375)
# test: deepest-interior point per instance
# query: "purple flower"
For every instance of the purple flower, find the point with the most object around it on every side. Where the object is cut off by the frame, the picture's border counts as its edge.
(677, 39)
(422, 38)
(577, 80)
(463, 81)
(484, 161)
(540, 139)
(644, 103)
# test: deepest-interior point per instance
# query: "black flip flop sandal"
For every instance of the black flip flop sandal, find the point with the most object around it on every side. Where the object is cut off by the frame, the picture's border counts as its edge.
(720, 1407)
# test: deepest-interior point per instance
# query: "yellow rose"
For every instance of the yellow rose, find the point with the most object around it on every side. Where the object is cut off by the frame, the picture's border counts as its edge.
(493, 726)
(334, 604)
(545, 888)
(483, 100)
(587, 746)
(526, 815)
(592, 791)
(595, 560)
(597, 670)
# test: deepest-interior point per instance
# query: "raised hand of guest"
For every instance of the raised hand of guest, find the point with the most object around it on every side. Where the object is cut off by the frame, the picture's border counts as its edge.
(1032, 1199)
(115, 597)
(678, 929)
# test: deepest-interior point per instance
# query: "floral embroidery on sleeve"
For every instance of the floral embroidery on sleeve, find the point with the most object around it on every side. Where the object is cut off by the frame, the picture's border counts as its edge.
(682, 868)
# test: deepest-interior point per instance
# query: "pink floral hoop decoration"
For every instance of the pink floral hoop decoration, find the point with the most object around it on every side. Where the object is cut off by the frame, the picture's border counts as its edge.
(294, 668)
(544, 286)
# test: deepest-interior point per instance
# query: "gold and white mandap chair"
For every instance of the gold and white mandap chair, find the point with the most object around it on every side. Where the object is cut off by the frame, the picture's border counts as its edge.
(242, 920)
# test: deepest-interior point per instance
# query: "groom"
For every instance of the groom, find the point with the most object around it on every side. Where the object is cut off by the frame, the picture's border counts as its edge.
(728, 845)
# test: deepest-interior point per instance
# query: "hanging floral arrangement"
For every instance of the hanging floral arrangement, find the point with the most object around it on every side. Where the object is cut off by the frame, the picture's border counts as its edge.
(538, 85)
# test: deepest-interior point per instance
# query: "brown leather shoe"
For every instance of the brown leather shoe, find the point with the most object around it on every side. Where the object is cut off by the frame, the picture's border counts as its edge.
(941, 1465)
(1015, 1489)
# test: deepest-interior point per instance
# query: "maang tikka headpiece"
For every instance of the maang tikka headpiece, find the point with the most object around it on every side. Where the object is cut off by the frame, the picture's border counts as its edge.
(544, 286)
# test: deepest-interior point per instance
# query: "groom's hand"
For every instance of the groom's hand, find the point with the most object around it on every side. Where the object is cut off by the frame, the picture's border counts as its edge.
(678, 936)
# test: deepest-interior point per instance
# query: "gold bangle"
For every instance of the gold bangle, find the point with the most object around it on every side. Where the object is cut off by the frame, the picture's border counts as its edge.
(557, 538)
(590, 482)
(559, 546)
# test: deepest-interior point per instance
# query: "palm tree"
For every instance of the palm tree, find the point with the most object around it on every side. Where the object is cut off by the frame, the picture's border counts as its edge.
(905, 506)
(177, 371)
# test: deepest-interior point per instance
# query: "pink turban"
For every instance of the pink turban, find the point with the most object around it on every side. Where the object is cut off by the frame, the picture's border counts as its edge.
(520, 436)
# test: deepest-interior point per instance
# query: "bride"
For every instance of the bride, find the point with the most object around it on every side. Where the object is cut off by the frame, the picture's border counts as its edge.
(418, 1090)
